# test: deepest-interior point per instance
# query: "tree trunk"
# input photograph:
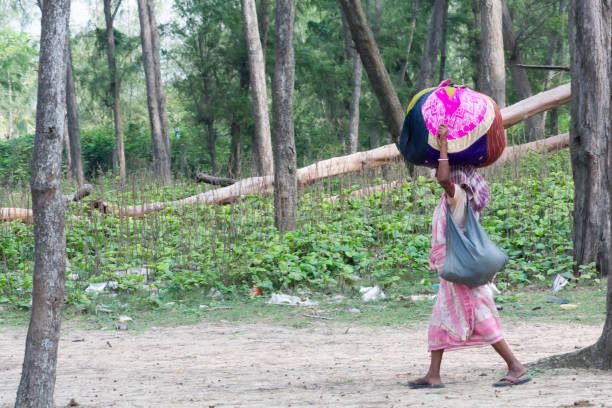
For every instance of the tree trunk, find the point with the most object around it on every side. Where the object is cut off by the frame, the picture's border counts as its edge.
(74, 131)
(590, 131)
(262, 145)
(591, 153)
(265, 24)
(556, 54)
(66, 146)
(211, 137)
(534, 126)
(9, 132)
(155, 93)
(432, 45)
(352, 144)
(109, 16)
(492, 67)
(38, 375)
(478, 42)
(442, 75)
(166, 163)
(285, 166)
(413, 18)
(363, 38)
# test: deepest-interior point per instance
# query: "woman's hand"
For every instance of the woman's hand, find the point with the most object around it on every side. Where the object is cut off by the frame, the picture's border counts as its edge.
(443, 172)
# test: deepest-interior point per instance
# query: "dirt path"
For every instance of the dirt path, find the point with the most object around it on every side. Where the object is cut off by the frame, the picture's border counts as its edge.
(228, 365)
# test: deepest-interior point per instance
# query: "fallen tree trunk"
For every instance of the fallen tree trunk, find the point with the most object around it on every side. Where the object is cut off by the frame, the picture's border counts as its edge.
(550, 145)
(535, 104)
(26, 215)
(354, 162)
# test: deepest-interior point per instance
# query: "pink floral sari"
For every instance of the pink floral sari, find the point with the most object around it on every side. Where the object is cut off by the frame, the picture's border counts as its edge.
(462, 316)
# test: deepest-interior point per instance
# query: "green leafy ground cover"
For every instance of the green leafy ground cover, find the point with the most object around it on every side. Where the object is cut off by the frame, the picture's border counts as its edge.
(382, 239)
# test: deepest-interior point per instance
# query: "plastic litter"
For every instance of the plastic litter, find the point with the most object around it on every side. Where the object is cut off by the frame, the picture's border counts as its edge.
(283, 299)
(100, 286)
(371, 293)
(569, 306)
(124, 319)
(419, 298)
(559, 283)
(354, 310)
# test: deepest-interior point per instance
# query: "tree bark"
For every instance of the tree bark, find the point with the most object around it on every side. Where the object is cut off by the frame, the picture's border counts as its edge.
(156, 103)
(37, 383)
(432, 45)
(285, 176)
(109, 17)
(161, 94)
(262, 145)
(443, 39)
(211, 138)
(74, 131)
(352, 144)
(492, 67)
(363, 38)
(534, 126)
(265, 24)
(591, 154)
(413, 18)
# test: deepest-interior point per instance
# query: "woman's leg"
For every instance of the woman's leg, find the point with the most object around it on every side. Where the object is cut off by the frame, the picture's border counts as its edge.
(433, 374)
(515, 368)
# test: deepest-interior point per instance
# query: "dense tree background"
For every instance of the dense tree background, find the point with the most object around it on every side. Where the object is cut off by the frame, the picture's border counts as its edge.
(204, 57)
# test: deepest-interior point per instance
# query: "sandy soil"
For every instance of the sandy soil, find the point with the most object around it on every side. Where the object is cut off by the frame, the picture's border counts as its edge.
(228, 365)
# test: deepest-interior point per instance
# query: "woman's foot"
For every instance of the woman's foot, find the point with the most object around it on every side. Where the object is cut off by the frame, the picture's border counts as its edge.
(514, 376)
(426, 382)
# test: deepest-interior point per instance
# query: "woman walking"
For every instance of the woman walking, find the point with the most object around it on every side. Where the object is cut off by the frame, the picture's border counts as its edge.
(462, 316)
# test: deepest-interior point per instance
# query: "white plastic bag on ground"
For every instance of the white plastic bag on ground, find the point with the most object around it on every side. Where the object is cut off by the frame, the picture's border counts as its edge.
(282, 299)
(371, 293)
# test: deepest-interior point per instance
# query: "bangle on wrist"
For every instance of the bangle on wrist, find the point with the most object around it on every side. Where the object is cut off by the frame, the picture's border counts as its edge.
(442, 159)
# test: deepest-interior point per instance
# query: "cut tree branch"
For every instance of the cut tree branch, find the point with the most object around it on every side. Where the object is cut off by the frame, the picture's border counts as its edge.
(217, 181)
(548, 67)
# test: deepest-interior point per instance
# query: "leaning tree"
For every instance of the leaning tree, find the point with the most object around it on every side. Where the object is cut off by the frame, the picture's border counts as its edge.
(38, 374)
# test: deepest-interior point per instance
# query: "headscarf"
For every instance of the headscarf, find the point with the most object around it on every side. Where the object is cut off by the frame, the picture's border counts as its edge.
(477, 190)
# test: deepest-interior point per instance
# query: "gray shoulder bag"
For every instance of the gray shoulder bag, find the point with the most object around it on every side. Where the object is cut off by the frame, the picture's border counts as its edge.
(471, 258)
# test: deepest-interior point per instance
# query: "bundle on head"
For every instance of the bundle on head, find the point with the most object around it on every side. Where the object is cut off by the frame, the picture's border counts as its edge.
(476, 133)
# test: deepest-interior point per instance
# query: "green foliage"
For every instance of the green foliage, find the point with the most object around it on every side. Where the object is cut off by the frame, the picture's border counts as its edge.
(382, 239)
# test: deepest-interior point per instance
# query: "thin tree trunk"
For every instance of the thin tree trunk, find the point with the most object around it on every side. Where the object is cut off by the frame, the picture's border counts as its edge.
(556, 54)
(37, 383)
(161, 94)
(262, 140)
(285, 166)
(109, 16)
(432, 44)
(534, 126)
(591, 153)
(9, 132)
(233, 166)
(363, 38)
(413, 18)
(352, 144)
(265, 24)
(443, 41)
(155, 93)
(74, 131)
(492, 66)
(478, 42)
(66, 146)
(212, 150)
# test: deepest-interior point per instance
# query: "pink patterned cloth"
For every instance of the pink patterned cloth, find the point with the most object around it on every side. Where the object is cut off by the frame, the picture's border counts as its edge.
(462, 112)
(462, 316)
